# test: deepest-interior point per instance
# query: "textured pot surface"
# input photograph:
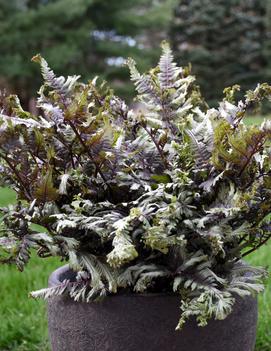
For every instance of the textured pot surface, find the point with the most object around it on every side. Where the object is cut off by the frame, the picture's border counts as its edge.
(143, 323)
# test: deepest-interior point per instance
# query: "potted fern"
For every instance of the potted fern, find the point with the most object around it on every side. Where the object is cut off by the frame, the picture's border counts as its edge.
(152, 211)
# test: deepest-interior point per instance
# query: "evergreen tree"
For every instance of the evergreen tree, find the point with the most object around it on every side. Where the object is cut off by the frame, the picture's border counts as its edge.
(86, 36)
(224, 40)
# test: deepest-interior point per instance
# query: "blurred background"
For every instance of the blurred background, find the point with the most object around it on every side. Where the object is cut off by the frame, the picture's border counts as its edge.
(226, 42)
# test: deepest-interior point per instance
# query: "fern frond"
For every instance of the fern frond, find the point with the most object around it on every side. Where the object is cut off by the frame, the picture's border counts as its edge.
(143, 83)
(101, 273)
(78, 292)
(243, 287)
(52, 113)
(124, 249)
(246, 280)
(141, 275)
(45, 190)
(89, 262)
(135, 75)
(201, 152)
(208, 184)
(168, 70)
(7, 121)
(146, 278)
(23, 253)
(60, 84)
(63, 184)
(210, 303)
(129, 275)
(53, 291)
(123, 252)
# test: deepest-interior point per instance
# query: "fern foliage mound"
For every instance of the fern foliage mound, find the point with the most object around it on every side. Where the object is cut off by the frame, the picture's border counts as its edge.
(167, 199)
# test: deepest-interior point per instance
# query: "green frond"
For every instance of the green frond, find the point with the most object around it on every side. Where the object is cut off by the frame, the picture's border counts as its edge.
(135, 75)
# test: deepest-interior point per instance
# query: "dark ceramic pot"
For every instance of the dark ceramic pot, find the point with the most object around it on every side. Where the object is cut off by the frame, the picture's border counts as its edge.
(143, 323)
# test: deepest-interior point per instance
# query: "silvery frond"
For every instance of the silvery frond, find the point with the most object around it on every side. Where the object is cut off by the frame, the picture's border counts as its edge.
(53, 291)
(53, 113)
(60, 84)
(102, 276)
(16, 121)
(201, 152)
(168, 69)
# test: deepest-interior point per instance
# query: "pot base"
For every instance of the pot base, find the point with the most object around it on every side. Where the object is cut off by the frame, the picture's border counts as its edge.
(145, 323)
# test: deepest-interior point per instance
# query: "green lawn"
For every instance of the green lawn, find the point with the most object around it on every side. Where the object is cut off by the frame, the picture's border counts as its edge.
(254, 120)
(263, 258)
(23, 325)
(23, 322)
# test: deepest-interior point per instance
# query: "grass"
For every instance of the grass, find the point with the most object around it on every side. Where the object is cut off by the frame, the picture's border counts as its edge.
(23, 321)
(23, 324)
(262, 258)
(250, 120)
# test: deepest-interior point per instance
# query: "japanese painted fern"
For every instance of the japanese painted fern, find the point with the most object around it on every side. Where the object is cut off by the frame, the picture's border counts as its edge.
(166, 199)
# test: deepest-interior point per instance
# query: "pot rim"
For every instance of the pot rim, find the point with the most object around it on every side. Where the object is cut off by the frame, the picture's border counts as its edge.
(55, 275)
